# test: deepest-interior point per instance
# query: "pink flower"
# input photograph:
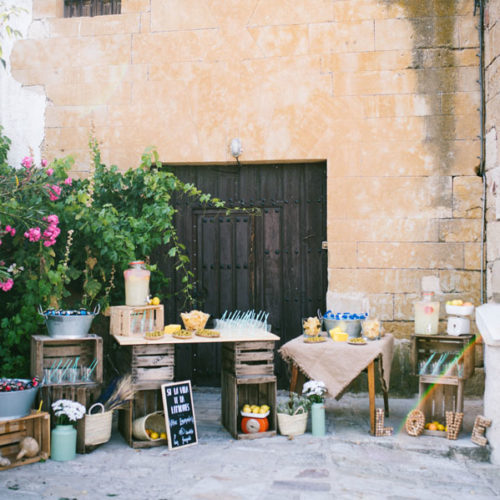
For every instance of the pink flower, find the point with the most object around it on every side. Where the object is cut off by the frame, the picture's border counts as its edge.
(33, 234)
(54, 192)
(0, 242)
(68, 181)
(6, 285)
(8, 229)
(27, 162)
(50, 171)
(44, 163)
(52, 219)
(13, 231)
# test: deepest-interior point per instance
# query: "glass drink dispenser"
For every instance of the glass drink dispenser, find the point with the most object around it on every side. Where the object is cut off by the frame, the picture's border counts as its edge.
(427, 315)
(136, 284)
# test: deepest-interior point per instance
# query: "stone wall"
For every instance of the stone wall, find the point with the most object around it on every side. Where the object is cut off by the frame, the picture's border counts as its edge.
(385, 90)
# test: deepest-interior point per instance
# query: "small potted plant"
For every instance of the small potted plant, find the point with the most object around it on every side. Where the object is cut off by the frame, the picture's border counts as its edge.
(292, 415)
(63, 436)
(315, 391)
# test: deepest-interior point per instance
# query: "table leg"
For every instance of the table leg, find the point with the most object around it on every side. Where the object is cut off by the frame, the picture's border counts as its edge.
(371, 395)
(293, 379)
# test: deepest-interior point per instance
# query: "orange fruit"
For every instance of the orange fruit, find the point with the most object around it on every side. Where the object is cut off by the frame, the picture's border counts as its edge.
(433, 427)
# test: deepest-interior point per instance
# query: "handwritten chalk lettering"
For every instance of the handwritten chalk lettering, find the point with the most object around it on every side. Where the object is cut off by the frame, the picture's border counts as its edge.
(180, 408)
(179, 414)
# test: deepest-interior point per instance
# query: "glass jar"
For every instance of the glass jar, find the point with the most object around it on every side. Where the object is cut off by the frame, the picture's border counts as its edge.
(136, 284)
(427, 315)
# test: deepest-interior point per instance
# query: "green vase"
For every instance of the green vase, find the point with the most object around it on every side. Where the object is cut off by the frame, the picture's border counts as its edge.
(318, 426)
(63, 443)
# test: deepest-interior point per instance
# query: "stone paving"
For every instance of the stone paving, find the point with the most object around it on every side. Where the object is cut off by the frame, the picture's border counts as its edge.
(346, 464)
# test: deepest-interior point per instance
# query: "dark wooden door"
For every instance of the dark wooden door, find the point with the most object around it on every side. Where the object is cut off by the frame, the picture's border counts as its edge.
(271, 261)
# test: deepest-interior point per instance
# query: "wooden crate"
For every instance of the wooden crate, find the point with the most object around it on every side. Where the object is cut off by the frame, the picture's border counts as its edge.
(128, 320)
(85, 394)
(36, 425)
(236, 391)
(47, 350)
(144, 402)
(424, 345)
(437, 395)
(248, 358)
(150, 365)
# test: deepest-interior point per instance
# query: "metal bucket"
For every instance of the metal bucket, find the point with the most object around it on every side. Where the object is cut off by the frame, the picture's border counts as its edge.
(350, 326)
(17, 404)
(69, 327)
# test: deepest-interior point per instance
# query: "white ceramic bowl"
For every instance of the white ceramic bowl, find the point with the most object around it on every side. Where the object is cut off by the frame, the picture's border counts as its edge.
(459, 310)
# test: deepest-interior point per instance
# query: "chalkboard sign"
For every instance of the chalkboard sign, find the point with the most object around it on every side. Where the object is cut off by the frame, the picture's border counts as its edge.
(179, 414)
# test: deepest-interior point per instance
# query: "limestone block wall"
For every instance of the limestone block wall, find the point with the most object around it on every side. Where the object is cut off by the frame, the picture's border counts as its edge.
(384, 90)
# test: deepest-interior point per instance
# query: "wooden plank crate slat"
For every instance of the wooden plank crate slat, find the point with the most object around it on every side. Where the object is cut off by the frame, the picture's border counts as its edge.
(129, 320)
(36, 425)
(45, 351)
(236, 391)
(144, 403)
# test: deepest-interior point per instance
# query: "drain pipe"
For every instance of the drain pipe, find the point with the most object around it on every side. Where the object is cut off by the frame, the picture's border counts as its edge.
(482, 159)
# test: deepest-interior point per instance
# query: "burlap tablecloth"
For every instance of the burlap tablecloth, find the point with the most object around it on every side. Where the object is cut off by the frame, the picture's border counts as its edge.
(337, 364)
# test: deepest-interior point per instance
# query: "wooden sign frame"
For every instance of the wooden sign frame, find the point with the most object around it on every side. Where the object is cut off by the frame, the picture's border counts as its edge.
(181, 398)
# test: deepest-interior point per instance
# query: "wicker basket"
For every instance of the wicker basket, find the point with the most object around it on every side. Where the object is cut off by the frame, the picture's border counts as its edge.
(98, 426)
(154, 421)
(293, 425)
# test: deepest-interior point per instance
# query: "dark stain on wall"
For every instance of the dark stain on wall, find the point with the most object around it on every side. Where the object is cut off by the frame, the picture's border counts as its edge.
(434, 61)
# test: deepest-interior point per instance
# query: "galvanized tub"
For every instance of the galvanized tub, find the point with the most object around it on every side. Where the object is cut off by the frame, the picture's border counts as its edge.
(17, 404)
(69, 327)
(350, 326)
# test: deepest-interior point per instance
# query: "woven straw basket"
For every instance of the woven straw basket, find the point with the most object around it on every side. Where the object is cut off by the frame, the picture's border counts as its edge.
(293, 425)
(154, 421)
(98, 426)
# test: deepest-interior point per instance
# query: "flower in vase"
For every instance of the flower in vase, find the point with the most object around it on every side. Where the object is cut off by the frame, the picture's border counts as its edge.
(315, 390)
(67, 411)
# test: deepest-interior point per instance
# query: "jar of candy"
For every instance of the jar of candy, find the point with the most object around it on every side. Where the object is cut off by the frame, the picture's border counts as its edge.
(136, 284)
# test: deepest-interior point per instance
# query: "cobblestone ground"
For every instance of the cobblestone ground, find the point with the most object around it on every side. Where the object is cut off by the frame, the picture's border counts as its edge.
(347, 463)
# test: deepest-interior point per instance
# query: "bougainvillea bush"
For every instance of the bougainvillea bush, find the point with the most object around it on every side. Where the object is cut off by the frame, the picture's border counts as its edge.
(66, 242)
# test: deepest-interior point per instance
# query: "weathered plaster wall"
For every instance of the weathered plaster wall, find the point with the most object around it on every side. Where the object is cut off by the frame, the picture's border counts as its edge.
(492, 79)
(22, 108)
(385, 90)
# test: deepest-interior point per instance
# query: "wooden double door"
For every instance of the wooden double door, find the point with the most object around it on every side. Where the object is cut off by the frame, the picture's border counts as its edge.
(271, 260)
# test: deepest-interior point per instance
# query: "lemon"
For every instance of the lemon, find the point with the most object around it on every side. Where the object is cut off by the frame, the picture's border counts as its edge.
(440, 427)
(247, 409)
(154, 435)
(155, 301)
(163, 435)
(265, 408)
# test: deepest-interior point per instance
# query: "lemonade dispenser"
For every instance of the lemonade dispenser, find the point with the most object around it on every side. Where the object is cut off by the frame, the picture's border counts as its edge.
(136, 284)
(427, 315)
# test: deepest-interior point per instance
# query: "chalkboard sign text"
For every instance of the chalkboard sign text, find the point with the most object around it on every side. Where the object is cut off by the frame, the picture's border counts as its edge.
(179, 414)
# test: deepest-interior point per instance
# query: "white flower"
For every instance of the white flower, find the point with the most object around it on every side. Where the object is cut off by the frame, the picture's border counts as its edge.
(314, 388)
(66, 408)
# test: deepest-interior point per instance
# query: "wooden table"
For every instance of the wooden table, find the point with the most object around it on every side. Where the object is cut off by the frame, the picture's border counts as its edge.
(247, 371)
(332, 362)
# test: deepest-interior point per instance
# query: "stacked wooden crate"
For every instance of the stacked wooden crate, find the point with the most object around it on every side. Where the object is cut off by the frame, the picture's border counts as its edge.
(46, 352)
(150, 365)
(12, 432)
(442, 392)
(247, 377)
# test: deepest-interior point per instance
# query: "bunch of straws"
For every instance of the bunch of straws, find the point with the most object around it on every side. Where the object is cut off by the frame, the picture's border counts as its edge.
(444, 365)
(141, 323)
(68, 371)
(242, 320)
